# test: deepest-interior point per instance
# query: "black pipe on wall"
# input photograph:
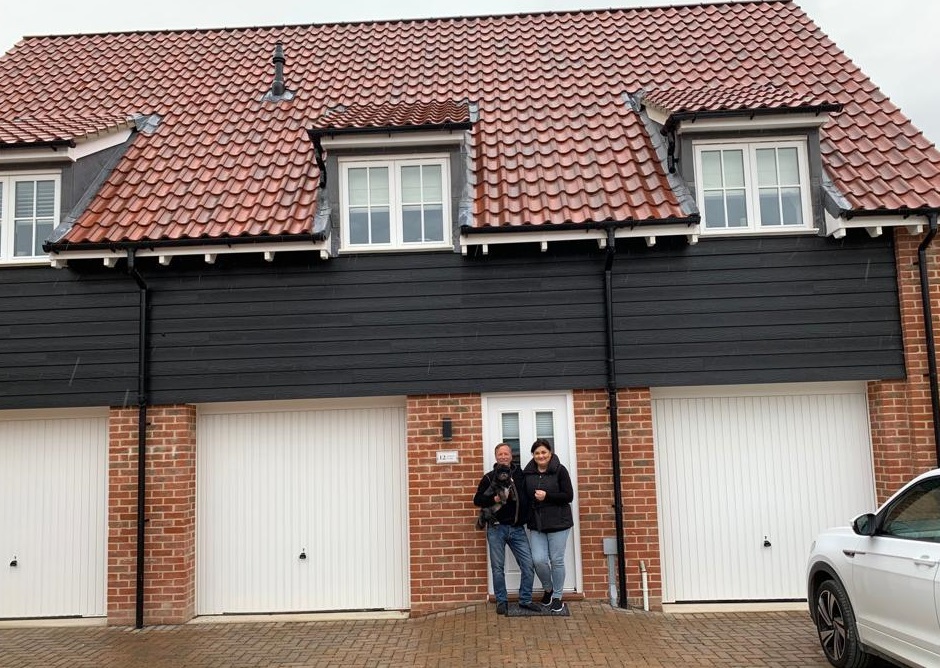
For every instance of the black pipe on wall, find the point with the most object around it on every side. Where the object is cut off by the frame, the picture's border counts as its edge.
(928, 329)
(142, 327)
(612, 416)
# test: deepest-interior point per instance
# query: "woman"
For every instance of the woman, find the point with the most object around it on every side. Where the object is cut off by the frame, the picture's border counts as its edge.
(549, 486)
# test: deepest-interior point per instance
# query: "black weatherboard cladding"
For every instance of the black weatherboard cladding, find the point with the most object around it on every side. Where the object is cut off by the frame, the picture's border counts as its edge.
(750, 310)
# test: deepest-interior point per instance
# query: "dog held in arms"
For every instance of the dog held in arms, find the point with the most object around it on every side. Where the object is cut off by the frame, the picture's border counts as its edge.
(501, 486)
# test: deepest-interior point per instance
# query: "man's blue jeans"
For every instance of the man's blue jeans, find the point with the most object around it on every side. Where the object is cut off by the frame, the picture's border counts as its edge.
(498, 536)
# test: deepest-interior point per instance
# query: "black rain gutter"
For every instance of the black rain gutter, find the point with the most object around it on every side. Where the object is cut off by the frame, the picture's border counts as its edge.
(612, 417)
(679, 116)
(141, 430)
(691, 220)
(928, 328)
(153, 245)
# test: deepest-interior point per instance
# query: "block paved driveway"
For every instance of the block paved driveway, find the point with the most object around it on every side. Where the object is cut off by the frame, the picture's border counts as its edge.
(594, 635)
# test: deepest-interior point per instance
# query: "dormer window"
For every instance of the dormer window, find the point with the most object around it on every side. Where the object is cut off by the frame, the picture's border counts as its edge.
(394, 204)
(753, 186)
(29, 205)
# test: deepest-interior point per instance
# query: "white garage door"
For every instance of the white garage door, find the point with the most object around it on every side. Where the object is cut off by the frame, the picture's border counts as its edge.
(747, 476)
(53, 514)
(302, 507)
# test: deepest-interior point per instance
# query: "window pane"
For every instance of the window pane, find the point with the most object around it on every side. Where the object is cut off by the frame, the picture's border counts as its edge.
(789, 167)
(45, 199)
(792, 203)
(734, 168)
(510, 433)
(711, 169)
(737, 208)
(411, 223)
(378, 185)
(715, 210)
(24, 199)
(381, 230)
(769, 207)
(434, 223)
(1, 201)
(411, 184)
(359, 226)
(23, 239)
(433, 183)
(358, 183)
(545, 426)
(767, 167)
(43, 232)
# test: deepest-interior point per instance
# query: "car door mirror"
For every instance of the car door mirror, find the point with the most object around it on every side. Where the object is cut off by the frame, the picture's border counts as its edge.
(864, 525)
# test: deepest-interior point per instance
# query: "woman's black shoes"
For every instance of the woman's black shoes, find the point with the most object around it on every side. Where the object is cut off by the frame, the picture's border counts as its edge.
(556, 605)
(546, 598)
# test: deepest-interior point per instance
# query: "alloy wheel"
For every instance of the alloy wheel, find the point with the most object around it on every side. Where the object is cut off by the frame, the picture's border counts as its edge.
(830, 623)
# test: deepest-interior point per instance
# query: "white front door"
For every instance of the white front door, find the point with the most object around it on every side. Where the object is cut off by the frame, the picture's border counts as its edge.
(518, 420)
(53, 513)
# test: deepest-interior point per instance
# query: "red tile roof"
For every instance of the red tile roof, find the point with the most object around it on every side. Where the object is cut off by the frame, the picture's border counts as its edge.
(555, 140)
(414, 115)
(731, 98)
(30, 129)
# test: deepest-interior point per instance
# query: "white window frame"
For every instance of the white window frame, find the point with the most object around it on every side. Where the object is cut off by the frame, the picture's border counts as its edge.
(7, 227)
(749, 149)
(394, 165)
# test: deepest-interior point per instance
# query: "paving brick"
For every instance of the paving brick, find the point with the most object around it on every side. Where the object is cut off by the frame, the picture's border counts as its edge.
(594, 635)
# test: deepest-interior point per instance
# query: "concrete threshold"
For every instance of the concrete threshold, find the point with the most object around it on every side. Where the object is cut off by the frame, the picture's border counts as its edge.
(301, 617)
(738, 606)
(40, 622)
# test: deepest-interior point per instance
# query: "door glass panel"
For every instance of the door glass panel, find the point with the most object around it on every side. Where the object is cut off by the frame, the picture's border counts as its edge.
(510, 433)
(545, 426)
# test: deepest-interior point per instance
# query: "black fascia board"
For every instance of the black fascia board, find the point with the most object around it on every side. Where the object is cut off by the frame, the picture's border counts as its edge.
(53, 144)
(155, 244)
(693, 219)
(904, 212)
(679, 116)
(388, 129)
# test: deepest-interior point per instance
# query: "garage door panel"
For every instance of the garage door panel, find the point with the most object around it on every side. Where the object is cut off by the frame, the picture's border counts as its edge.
(53, 492)
(328, 484)
(746, 481)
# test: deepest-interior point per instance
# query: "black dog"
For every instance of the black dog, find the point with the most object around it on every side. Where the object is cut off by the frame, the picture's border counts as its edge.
(501, 486)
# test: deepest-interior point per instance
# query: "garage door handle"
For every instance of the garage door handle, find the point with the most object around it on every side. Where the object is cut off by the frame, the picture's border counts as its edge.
(13, 563)
(303, 553)
(925, 561)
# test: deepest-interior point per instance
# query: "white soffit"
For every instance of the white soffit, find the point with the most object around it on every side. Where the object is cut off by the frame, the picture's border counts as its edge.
(874, 225)
(537, 236)
(83, 147)
(209, 252)
(760, 122)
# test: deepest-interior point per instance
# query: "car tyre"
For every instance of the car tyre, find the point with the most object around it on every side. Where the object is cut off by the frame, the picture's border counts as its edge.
(835, 625)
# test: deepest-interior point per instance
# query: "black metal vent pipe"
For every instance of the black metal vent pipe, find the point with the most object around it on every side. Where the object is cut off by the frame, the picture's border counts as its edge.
(141, 431)
(612, 416)
(928, 329)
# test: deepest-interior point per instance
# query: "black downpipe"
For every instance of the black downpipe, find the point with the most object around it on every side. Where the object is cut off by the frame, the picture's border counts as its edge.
(612, 408)
(928, 329)
(141, 430)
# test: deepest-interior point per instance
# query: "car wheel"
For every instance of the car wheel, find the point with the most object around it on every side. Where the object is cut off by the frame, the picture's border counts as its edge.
(835, 624)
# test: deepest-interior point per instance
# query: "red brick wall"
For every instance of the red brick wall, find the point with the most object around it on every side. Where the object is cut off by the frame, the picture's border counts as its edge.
(170, 535)
(900, 411)
(448, 554)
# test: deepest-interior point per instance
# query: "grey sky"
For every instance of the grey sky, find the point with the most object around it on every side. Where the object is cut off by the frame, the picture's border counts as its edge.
(894, 41)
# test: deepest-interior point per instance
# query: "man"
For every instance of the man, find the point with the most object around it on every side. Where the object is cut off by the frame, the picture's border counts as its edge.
(506, 527)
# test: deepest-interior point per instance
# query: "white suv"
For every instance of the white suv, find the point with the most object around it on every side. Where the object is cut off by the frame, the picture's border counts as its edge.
(874, 588)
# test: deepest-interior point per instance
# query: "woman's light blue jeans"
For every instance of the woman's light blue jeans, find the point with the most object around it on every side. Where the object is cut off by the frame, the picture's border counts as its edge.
(548, 557)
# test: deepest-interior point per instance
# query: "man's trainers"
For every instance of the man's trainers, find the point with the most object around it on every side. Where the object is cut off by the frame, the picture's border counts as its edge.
(557, 605)
(501, 608)
(546, 597)
(534, 607)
